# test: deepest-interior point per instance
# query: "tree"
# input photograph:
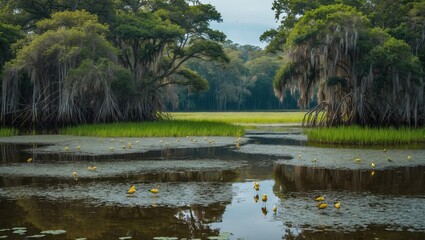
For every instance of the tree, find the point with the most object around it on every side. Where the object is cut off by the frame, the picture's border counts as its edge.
(156, 38)
(70, 65)
(361, 75)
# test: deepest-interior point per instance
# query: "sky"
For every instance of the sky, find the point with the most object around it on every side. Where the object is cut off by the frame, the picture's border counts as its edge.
(244, 20)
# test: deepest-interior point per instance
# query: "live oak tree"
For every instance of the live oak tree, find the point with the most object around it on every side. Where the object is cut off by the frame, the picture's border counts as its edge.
(155, 39)
(70, 65)
(360, 74)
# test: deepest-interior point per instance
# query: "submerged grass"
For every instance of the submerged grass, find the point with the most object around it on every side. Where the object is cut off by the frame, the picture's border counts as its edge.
(366, 136)
(164, 128)
(241, 117)
(6, 132)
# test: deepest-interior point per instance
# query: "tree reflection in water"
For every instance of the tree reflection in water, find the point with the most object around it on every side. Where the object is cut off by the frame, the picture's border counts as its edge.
(398, 181)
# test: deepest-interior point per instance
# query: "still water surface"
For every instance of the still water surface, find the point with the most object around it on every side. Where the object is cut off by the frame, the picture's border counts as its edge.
(205, 193)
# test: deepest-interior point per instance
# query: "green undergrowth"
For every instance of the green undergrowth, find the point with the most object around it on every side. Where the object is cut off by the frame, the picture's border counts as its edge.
(163, 128)
(366, 136)
(6, 132)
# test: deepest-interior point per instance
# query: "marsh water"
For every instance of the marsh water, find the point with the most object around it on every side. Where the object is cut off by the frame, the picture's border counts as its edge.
(207, 193)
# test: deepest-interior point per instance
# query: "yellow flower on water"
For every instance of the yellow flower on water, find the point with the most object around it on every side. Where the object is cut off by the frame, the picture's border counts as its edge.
(132, 190)
(29, 160)
(320, 198)
(409, 157)
(337, 204)
(256, 186)
(322, 205)
(155, 190)
(264, 198)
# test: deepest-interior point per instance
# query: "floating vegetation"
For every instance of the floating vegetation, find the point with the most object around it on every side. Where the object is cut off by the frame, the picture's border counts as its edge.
(4, 229)
(165, 238)
(124, 238)
(54, 232)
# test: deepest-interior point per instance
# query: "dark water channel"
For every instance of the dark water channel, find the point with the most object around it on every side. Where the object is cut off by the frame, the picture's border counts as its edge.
(204, 193)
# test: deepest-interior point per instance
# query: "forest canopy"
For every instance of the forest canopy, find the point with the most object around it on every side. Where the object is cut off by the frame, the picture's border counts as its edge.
(363, 61)
(71, 62)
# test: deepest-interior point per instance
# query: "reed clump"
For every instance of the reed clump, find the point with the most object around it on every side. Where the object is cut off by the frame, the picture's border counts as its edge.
(163, 128)
(365, 135)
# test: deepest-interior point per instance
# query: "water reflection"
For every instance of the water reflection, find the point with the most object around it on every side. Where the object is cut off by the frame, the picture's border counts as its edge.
(178, 176)
(399, 181)
(205, 192)
(110, 222)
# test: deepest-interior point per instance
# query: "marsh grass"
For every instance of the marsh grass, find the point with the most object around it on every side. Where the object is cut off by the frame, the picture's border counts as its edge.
(165, 128)
(241, 117)
(6, 132)
(366, 136)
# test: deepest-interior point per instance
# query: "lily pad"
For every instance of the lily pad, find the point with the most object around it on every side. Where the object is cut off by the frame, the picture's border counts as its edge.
(19, 228)
(53, 232)
(20, 231)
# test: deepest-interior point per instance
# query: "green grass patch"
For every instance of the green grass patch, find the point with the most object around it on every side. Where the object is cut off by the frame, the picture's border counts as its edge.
(241, 117)
(6, 132)
(164, 128)
(366, 136)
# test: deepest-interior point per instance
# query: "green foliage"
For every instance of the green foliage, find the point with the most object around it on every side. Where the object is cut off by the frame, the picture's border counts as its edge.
(193, 80)
(396, 53)
(9, 34)
(317, 23)
(163, 128)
